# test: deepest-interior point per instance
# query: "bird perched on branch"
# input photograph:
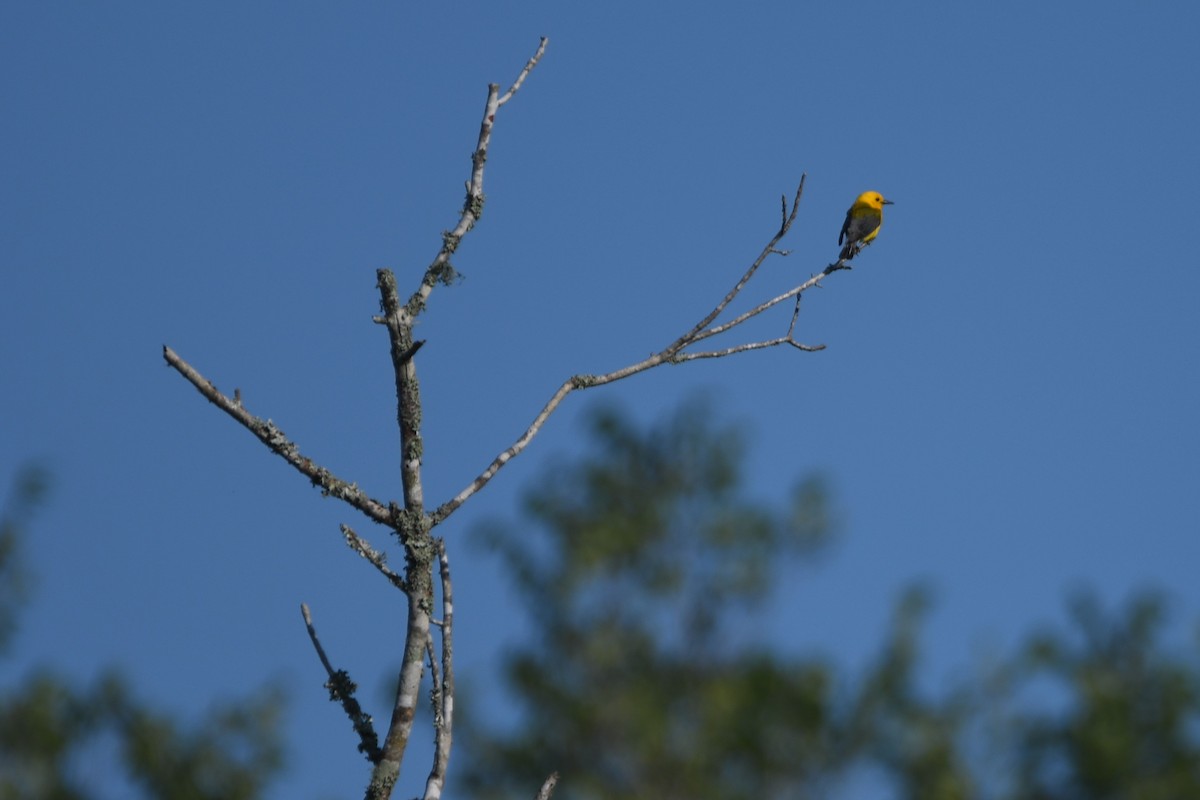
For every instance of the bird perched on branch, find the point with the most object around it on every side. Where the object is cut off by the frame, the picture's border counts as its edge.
(862, 223)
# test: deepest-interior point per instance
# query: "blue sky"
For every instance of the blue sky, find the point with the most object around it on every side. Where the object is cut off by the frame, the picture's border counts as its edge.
(1007, 407)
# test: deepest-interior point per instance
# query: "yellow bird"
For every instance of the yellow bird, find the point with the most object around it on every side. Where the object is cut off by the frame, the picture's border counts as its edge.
(862, 223)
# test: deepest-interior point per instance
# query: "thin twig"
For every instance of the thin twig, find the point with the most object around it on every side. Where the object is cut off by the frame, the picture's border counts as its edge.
(742, 348)
(671, 354)
(279, 444)
(447, 641)
(412, 350)
(341, 690)
(435, 691)
(789, 219)
(548, 787)
(443, 712)
(378, 559)
(815, 280)
(440, 270)
(795, 316)
(524, 73)
(449, 507)
(312, 634)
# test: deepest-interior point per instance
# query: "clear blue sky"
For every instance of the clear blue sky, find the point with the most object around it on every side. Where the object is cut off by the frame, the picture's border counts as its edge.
(1007, 407)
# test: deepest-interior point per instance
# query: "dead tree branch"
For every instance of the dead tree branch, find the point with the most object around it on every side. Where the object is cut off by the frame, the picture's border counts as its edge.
(443, 694)
(273, 438)
(341, 690)
(548, 787)
(412, 524)
(410, 521)
(440, 270)
(671, 354)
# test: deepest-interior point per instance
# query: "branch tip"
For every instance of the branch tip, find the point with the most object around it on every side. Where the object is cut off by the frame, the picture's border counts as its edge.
(341, 690)
(548, 787)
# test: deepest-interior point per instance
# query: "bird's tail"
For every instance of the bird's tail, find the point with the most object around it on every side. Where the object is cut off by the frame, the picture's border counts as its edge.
(848, 252)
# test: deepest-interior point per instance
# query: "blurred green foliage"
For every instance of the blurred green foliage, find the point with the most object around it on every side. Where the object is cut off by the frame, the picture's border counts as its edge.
(56, 738)
(642, 566)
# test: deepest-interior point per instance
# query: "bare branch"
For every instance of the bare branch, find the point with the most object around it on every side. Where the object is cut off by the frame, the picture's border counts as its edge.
(670, 355)
(524, 73)
(408, 395)
(447, 641)
(279, 444)
(341, 690)
(440, 270)
(435, 692)
(789, 219)
(815, 280)
(443, 712)
(378, 559)
(411, 351)
(517, 447)
(448, 508)
(742, 348)
(795, 316)
(548, 787)
(412, 527)
(412, 524)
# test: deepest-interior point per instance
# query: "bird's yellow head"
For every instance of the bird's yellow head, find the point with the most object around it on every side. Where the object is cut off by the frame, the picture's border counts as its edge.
(872, 200)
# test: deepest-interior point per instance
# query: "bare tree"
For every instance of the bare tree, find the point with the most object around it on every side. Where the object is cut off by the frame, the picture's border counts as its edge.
(409, 519)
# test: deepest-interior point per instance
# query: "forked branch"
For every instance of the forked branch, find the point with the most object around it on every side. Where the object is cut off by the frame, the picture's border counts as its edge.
(412, 523)
(671, 354)
(440, 270)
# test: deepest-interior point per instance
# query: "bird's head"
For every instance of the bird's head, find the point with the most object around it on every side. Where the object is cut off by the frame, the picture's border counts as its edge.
(874, 200)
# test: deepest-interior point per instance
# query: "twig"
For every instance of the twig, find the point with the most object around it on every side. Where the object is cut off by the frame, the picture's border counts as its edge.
(447, 641)
(815, 280)
(742, 348)
(795, 316)
(548, 787)
(378, 559)
(443, 712)
(279, 444)
(440, 270)
(412, 350)
(789, 219)
(341, 690)
(669, 355)
(524, 73)
(435, 692)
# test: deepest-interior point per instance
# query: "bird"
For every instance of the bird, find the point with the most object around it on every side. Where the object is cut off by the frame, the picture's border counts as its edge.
(862, 223)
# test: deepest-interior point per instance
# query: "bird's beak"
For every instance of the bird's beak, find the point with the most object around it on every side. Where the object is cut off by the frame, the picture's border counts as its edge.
(888, 203)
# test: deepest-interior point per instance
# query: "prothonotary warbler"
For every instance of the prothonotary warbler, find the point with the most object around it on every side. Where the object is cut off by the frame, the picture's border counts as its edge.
(862, 223)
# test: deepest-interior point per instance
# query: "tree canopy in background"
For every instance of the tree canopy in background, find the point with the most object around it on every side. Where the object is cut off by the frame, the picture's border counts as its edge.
(57, 738)
(641, 566)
